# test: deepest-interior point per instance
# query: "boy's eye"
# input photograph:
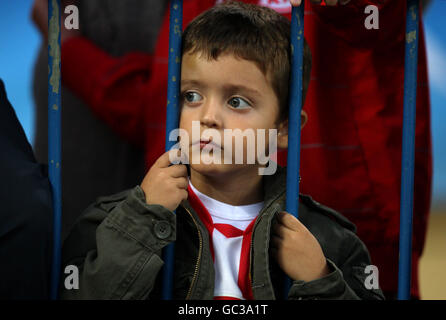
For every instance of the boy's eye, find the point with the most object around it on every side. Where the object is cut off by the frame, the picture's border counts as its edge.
(238, 103)
(192, 97)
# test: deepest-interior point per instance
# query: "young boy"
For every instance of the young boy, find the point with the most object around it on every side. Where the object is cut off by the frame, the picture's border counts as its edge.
(233, 239)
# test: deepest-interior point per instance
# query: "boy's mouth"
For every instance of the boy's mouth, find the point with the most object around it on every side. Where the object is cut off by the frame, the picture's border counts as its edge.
(203, 143)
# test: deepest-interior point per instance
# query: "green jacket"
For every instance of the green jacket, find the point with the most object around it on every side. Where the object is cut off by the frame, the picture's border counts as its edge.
(117, 245)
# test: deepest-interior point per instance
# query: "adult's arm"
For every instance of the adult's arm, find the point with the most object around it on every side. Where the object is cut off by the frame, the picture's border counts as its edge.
(25, 213)
(115, 88)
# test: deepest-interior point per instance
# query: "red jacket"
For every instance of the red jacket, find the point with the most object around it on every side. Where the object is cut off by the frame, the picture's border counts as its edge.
(351, 146)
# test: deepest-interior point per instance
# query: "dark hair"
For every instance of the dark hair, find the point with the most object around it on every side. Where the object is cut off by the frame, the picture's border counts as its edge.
(250, 32)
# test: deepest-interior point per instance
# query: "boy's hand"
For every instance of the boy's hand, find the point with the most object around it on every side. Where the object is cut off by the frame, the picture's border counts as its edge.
(296, 3)
(296, 250)
(166, 185)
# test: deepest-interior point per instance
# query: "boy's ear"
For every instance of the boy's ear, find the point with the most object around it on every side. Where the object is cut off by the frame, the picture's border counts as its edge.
(282, 131)
(282, 135)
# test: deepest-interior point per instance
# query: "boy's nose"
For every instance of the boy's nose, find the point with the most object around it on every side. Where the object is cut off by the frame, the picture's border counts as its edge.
(211, 115)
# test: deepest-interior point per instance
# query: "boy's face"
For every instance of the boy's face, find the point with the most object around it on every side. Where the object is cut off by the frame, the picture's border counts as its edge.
(222, 94)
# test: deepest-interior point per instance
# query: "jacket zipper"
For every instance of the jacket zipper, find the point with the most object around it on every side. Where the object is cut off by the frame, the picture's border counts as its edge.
(197, 265)
(250, 256)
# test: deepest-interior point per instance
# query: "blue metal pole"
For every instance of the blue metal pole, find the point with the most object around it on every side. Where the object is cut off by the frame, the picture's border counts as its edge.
(408, 149)
(54, 135)
(294, 123)
(173, 111)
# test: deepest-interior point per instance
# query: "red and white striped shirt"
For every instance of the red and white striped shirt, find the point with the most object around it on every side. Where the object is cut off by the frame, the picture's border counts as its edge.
(230, 229)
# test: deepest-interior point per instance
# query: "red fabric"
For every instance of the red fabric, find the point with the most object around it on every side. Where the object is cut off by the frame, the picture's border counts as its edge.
(351, 146)
(229, 231)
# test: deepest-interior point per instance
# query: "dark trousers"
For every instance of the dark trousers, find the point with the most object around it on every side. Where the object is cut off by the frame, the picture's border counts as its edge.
(25, 213)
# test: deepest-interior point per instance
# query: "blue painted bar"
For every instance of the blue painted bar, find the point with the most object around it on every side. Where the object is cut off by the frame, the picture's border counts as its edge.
(55, 136)
(172, 119)
(408, 149)
(295, 107)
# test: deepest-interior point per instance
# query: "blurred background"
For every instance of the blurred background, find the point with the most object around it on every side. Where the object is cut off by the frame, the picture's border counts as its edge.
(20, 41)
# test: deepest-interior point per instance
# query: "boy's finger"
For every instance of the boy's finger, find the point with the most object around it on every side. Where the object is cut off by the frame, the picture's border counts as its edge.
(289, 221)
(163, 161)
(169, 158)
(278, 230)
(282, 231)
(184, 195)
(177, 156)
(182, 183)
(177, 171)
